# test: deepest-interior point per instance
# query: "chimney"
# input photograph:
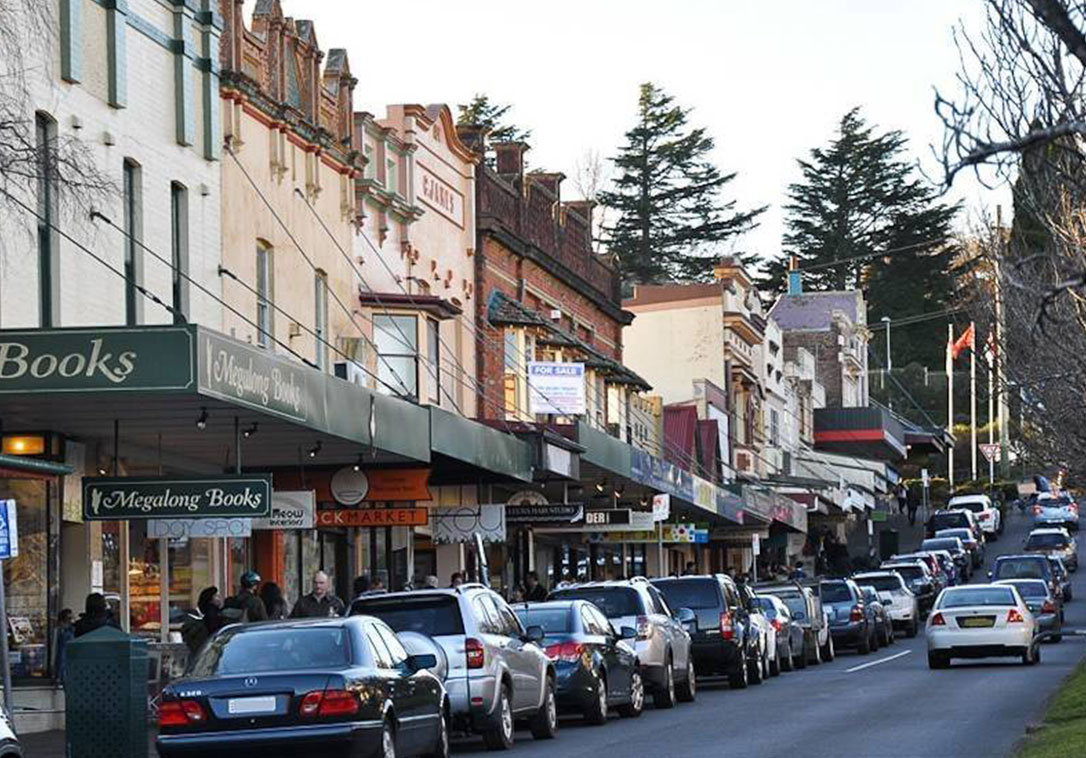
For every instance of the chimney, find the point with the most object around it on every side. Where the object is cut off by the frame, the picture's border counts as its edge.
(510, 157)
(473, 136)
(551, 180)
(795, 277)
(582, 208)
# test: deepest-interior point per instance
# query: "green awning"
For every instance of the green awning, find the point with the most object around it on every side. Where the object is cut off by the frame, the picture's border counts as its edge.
(603, 450)
(485, 451)
(33, 465)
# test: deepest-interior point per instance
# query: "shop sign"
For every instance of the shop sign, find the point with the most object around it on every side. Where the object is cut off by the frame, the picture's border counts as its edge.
(546, 513)
(351, 486)
(460, 523)
(556, 388)
(9, 530)
(661, 475)
(290, 510)
(615, 517)
(669, 534)
(558, 460)
(365, 517)
(178, 528)
(83, 360)
(704, 493)
(661, 507)
(122, 499)
(642, 520)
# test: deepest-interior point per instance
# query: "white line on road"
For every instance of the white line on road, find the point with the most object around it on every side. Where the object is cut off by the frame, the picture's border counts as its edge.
(876, 663)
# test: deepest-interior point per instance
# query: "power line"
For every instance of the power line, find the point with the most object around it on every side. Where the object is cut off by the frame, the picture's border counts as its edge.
(865, 256)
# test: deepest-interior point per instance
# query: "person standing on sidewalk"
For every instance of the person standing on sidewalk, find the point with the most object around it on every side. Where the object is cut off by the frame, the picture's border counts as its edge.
(246, 606)
(320, 603)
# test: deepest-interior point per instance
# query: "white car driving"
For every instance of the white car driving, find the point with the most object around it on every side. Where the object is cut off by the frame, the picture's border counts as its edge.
(986, 512)
(901, 604)
(981, 621)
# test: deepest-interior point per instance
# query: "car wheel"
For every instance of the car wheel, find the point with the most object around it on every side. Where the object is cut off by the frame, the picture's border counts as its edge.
(544, 724)
(801, 661)
(1032, 655)
(388, 741)
(441, 742)
(830, 652)
(864, 647)
(755, 671)
(1068, 596)
(636, 705)
(912, 629)
(596, 713)
(816, 656)
(875, 640)
(775, 665)
(938, 660)
(788, 663)
(501, 736)
(688, 687)
(739, 678)
(665, 696)
(1056, 638)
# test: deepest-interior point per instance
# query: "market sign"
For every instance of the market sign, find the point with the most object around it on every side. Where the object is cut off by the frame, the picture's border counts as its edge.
(126, 498)
(96, 360)
(556, 388)
(373, 517)
(546, 513)
(290, 510)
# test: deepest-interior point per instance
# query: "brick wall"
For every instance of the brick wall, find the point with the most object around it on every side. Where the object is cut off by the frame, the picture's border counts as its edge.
(823, 346)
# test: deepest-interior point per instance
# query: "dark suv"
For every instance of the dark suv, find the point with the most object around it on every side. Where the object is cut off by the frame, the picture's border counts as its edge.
(1025, 567)
(850, 623)
(720, 633)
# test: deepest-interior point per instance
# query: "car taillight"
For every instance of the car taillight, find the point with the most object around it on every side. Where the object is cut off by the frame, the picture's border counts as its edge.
(570, 652)
(1037, 510)
(727, 629)
(985, 516)
(476, 656)
(1014, 616)
(644, 630)
(181, 713)
(856, 614)
(1048, 607)
(938, 620)
(1073, 507)
(776, 624)
(328, 704)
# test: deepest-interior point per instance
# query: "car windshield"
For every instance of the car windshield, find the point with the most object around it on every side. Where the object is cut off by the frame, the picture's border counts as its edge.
(690, 593)
(943, 543)
(969, 505)
(963, 534)
(835, 592)
(910, 573)
(553, 620)
(1031, 588)
(967, 596)
(1052, 539)
(1020, 568)
(433, 615)
(615, 602)
(247, 650)
(950, 519)
(881, 583)
(1055, 502)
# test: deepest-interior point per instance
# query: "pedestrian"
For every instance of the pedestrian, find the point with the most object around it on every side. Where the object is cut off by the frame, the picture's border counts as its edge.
(204, 620)
(246, 606)
(360, 586)
(913, 506)
(517, 595)
(432, 583)
(96, 614)
(274, 602)
(65, 633)
(690, 569)
(534, 591)
(798, 572)
(320, 603)
(902, 498)
(456, 580)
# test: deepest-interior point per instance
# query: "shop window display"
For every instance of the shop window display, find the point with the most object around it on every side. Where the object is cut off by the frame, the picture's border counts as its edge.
(26, 580)
(144, 582)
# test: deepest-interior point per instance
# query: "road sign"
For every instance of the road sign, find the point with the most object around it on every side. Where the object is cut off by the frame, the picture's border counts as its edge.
(990, 450)
(756, 543)
(926, 477)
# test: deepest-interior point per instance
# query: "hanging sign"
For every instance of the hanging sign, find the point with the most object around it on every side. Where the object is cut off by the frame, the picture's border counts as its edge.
(177, 528)
(556, 388)
(374, 517)
(544, 513)
(290, 510)
(126, 498)
(461, 523)
(661, 507)
(9, 530)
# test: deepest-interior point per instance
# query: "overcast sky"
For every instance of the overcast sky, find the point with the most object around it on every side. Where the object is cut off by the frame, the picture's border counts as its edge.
(769, 79)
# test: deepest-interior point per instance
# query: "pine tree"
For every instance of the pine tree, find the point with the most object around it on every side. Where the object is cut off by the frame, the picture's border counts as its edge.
(481, 112)
(670, 220)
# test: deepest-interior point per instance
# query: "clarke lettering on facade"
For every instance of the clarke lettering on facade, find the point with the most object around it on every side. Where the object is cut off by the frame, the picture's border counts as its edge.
(16, 362)
(442, 197)
(122, 498)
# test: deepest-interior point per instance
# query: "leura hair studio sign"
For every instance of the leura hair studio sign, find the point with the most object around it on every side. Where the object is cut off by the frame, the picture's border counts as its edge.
(124, 498)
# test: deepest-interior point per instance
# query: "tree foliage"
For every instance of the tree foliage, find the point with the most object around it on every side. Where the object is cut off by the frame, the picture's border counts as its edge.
(670, 221)
(493, 117)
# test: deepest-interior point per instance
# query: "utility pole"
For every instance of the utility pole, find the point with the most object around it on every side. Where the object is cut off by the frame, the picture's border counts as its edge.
(1001, 351)
(950, 403)
(973, 401)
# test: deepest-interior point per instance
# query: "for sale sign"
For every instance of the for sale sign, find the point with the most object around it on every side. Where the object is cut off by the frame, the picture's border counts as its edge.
(556, 388)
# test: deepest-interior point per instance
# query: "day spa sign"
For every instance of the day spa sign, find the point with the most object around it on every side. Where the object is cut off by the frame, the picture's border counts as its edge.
(127, 498)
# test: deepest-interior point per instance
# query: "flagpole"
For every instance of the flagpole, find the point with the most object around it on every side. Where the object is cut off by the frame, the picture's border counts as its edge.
(991, 411)
(950, 402)
(973, 398)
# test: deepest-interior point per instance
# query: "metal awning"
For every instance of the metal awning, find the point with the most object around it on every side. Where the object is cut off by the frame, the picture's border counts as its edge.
(467, 452)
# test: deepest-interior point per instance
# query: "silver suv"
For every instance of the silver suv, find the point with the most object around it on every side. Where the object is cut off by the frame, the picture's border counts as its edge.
(495, 671)
(662, 643)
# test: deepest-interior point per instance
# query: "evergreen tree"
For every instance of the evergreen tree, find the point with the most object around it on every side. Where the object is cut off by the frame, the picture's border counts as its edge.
(481, 112)
(670, 220)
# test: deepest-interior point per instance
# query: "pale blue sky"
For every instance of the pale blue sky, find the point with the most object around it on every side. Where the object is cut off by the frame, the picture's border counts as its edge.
(769, 79)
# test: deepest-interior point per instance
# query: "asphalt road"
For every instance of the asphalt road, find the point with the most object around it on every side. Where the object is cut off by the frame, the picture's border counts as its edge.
(886, 704)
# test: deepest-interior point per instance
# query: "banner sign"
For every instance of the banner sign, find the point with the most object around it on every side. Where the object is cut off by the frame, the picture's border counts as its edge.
(661, 507)
(374, 517)
(460, 523)
(177, 528)
(548, 513)
(96, 360)
(290, 510)
(125, 498)
(9, 530)
(556, 388)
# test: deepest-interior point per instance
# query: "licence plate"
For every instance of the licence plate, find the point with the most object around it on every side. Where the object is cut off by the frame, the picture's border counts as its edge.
(975, 622)
(241, 706)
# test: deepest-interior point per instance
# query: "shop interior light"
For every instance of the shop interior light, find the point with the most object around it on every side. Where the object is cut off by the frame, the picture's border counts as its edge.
(601, 485)
(201, 422)
(102, 471)
(24, 444)
(250, 431)
(313, 451)
(358, 464)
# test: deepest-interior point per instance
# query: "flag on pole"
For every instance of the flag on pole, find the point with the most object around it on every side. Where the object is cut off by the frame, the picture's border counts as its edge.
(967, 340)
(990, 347)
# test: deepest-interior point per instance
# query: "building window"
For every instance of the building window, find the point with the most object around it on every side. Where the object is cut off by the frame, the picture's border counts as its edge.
(774, 428)
(396, 339)
(433, 358)
(45, 134)
(179, 226)
(264, 294)
(320, 318)
(392, 183)
(133, 230)
(371, 167)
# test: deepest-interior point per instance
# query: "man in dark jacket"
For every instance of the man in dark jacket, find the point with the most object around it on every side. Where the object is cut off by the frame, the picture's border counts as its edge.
(96, 614)
(320, 603)
(535, 592)
(246, 605)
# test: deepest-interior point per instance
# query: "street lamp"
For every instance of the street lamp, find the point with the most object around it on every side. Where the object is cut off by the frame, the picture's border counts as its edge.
(889, 363)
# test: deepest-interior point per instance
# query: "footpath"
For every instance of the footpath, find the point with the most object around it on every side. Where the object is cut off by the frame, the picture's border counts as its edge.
(52, 745)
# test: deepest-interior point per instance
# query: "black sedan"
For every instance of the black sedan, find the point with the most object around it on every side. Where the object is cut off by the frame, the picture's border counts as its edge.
(308, 687)
(596, 668)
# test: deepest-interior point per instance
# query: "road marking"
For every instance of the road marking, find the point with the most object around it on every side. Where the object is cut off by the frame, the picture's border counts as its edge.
(863, 666)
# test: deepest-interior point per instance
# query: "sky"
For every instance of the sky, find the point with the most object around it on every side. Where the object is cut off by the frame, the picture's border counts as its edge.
(769, 80)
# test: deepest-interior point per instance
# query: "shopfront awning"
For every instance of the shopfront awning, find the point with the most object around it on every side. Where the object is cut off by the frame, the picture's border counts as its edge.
(769, 505)
(869, 432)
(473, 452)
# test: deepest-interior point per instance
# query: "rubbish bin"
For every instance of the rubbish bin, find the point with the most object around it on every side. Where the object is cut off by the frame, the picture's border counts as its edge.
(105, 693)
(889, 543)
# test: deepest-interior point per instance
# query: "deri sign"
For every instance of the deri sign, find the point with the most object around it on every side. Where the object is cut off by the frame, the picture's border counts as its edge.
(124, 499)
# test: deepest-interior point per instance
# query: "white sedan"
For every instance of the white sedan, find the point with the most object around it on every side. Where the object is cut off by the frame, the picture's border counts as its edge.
(986, 512)
(981, 621)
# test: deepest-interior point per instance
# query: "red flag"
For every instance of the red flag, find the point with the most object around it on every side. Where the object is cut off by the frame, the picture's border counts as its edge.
(967, 340)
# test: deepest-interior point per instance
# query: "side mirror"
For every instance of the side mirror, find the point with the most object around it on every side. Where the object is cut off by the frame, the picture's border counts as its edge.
(534, 634)
(419, 662)
(627, 633)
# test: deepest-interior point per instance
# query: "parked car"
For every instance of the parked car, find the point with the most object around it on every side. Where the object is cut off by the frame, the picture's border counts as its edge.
(938, 577)
(595, 665)
(662, 643)
(884, 627)
(1025, 567)
(1056, 542)
(9, 741)
(297, 686)
(1054, 510)
(758, 628)
(954, 519)
(497, 672)
(1046, 607)
(918, 579)
(720, 640)
(851, 623)
(947, 565)
(789, 636)
(976, 548)
(805, 605)
(987, 512)
(895, 594)
(981, 621)
(960, 554)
